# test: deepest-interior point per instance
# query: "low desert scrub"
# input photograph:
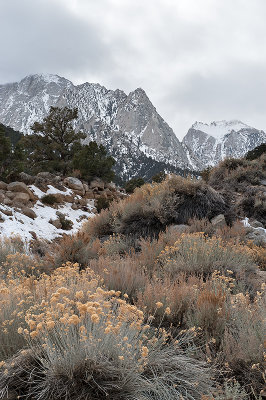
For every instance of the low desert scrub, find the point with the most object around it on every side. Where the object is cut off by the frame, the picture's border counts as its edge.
(118, 244)
(78, 248)
(244, 338)
(87, 342)
(124, 274)
(234, 233)
(152, 207)
(11, 245)
(168, 300)
(237, 174)
(201, 255)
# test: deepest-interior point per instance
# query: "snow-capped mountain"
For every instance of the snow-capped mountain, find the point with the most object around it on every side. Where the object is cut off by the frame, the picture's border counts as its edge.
(220, 139)
(127, 125)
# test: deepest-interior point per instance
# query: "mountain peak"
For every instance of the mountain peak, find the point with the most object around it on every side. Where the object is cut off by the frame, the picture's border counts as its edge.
(218, 129)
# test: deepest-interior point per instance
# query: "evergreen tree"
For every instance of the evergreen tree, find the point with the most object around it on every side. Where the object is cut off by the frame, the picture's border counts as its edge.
(5, 152)
(52, 145)
(133, 183)
(92, 160)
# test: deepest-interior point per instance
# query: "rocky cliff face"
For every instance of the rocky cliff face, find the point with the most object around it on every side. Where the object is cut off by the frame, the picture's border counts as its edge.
(127, 125)
(218, 140)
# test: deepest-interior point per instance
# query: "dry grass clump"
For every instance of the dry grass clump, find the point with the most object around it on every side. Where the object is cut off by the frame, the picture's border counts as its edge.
(87, 342)
(154, 206)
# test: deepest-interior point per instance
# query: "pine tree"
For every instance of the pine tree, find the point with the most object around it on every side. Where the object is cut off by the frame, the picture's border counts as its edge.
(92, 160)
(52, 145)
(5, 151)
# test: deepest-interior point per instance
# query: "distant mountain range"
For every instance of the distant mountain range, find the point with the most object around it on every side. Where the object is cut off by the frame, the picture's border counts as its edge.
(129, 126)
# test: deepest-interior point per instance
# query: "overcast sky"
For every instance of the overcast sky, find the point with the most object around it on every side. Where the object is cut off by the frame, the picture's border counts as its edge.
(198, 60)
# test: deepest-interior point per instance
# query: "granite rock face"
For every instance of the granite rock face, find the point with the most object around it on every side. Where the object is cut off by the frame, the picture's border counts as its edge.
(222, 139)
(129, 126)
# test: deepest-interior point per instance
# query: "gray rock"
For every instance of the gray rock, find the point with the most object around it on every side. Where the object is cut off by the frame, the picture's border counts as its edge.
(29, 212)
(23, 198)
(256, 224)
(20, 187)
(2, 198)
(26, 178)
(56, 223)
(3, 185)
(74, 183)
(258, 236)
(97, 184)
(9, 213)
(218, 221)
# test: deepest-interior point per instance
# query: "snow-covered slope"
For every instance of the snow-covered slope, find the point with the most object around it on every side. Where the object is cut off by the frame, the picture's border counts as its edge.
(218, 140)
(17, 223)
(128, 125)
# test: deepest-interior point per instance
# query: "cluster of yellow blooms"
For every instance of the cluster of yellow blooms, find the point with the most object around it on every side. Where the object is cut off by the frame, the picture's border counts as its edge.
(72, 303)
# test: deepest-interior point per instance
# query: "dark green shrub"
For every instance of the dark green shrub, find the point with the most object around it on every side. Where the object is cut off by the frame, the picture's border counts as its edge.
(158, 178)
(49, 199)
(133, 183)
(102, 203)
(257, 152)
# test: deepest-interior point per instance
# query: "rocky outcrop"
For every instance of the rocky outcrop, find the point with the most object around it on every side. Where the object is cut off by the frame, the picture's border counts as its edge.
(20, 187)
(50, 202)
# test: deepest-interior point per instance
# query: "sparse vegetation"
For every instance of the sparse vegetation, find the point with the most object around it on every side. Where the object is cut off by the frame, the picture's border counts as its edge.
(49, 199)
(133, 307)
(152, 207)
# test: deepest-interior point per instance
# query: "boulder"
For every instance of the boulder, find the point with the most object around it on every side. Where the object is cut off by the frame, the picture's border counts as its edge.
(23, 198)
(6, 212)
(26, 178)
(10, 194)
(89, 194)
(258, 236)
(45, 175)
(256, 224)
(2, 198)
(218, 221)
(7, 201)
(3, 185)
(74, 183)
(29, 212)
(56, 223)
(20, 187)
(86, 187)
(97, 183)
(111, 186)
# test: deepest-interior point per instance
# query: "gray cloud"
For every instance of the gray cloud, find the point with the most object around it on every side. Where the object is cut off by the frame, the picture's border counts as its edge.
(197, 59)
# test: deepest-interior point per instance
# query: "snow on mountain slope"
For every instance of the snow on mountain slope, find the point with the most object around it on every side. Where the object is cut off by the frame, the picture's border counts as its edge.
(129, 126)
(218, 140)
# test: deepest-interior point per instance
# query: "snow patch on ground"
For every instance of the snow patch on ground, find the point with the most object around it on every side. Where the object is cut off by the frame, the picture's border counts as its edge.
(20, 224)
